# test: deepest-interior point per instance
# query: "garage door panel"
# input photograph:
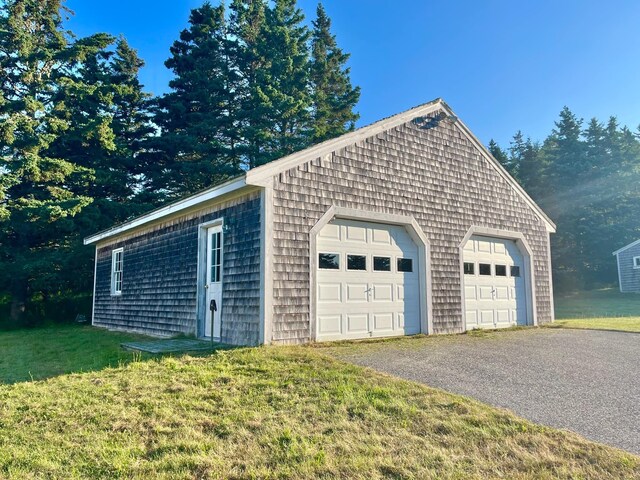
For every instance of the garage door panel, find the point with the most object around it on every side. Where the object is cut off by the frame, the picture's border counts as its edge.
(329, 292)
(382, 292)
(470, 293)
(487, 317)
(383, 321)
(331, 232)
(502, 316)
(472, 318)
(485, 293)
(380, 237)
(483, 246)
(330, 324)
(357, 292)
(502, 293)
(357, 323)
(356, 234)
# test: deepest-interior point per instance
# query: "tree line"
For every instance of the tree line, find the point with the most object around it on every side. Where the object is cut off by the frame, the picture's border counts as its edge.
(586, 177)
(84, 146)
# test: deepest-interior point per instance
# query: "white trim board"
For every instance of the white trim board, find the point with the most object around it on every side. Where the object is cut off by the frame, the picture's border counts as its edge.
(259, 175)
(172, 208)
(262, 176)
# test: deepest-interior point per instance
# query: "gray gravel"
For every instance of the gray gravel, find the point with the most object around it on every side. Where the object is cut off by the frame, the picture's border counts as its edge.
(587, 381)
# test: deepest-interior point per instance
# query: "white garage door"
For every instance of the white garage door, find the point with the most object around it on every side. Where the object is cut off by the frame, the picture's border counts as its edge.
(367, 281)
(494, 283)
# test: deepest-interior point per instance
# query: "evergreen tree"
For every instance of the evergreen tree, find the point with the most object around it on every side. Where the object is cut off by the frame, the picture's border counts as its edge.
(525, 157)
(38, 63)
(198, 119)
(501, 156)
(273, 59)
(108, 121)
(564, 150)
(333, 96)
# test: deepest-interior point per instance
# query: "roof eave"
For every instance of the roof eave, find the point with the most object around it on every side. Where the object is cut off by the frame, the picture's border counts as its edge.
(632, 244)
(206, 195)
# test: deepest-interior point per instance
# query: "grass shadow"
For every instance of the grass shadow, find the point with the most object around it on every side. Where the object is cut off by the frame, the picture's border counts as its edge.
(41, 353)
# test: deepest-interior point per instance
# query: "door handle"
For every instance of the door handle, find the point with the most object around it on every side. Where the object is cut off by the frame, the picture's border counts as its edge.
(213, 306)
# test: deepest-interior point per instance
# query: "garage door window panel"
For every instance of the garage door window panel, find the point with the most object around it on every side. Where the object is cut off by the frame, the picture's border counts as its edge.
(329, 261)
(382, 264)
(515, 271)
(357, 262)
(501, 270)
(405, 265)
(469, 268)
(484, 269)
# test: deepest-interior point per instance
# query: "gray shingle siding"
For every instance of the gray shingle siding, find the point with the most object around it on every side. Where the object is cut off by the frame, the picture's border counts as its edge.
(160, 272)
(436, 175)
(629, 276)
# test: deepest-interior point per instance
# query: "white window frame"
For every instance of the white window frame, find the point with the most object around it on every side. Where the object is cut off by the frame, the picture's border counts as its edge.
(636, 262)
(114, 273)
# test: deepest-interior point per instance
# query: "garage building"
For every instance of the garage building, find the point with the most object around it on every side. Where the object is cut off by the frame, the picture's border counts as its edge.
(402, 227)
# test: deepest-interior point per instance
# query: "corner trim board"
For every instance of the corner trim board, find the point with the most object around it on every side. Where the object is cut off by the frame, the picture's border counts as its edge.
(266, 265)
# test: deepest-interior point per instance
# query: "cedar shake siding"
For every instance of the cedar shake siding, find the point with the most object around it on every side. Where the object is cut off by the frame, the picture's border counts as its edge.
(629, 277)
(426, 168)
(160, 270)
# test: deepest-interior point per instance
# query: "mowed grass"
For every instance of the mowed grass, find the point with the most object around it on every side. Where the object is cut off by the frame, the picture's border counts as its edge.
(606, 309)
(275, 412)
(622, 324)
(45, 352)
(603, 303)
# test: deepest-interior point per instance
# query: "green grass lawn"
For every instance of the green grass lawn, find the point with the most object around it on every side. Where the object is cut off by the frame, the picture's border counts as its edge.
(45, 352)
(597, 304)
(622, 324)
(271, 412)
(606, 309)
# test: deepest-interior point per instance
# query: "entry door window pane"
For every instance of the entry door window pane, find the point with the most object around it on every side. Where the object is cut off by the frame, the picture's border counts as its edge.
(216, 256)
(382, 264)
(484, 268)
(501, 270)
(405, 265)
(329, 261)
(469, 268)
(356, 262)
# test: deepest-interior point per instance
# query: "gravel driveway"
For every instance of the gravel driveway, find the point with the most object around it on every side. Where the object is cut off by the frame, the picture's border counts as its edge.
(587, 381)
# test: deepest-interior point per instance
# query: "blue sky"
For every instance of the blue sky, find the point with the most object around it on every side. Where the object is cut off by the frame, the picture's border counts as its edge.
(501, 65)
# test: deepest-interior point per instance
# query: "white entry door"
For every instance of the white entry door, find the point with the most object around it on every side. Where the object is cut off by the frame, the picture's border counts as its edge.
(367, 281)
(494, 283)
(213, 286)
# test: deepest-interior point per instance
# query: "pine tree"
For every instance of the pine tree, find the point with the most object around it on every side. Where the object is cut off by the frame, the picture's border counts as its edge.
(39, 63)
(198, 118)
(273, 59)
(333, 96)
(108, 120)
(501, 156)
(565, 151)
(525, 157)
